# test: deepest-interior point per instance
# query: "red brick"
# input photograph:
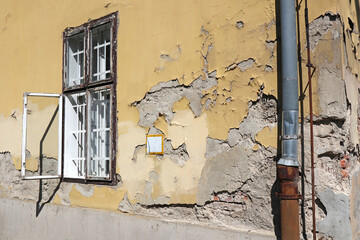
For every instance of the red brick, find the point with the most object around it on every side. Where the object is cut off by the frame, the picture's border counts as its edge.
(343, 163)
(344, 173)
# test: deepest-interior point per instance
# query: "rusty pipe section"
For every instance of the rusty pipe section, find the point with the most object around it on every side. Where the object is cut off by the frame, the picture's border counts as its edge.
(289, 202)
(288, 165)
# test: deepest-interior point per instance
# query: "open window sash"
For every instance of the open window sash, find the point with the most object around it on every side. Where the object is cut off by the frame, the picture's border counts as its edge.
(24, 136)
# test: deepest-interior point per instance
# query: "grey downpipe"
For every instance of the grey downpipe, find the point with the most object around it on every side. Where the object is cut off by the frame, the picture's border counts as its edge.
(288, 165)
(290, 107)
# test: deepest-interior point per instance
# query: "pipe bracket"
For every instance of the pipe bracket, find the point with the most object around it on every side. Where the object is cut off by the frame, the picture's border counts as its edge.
(288, 137)
(289, 196)
(310, 65)
(289, 78)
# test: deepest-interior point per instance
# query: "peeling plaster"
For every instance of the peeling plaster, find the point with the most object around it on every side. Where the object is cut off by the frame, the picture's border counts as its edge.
(209, 85)
(267, 137)
(233, 167)
(162, 97)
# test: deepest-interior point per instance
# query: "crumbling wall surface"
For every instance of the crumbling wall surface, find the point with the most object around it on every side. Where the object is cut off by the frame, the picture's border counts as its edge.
(220, 127)
(229, 186)
(331, 126)
(336, 224)
(236, 166)
(12, 186)
(354, 204)
(350, 15)
(335, 131)
(230, 156)
(207, 79)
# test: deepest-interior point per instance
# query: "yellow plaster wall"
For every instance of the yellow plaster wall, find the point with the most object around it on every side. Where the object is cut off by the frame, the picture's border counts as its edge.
(348, 10)
(186, 31)
(103, 197)
(267, 137)
(193, 132)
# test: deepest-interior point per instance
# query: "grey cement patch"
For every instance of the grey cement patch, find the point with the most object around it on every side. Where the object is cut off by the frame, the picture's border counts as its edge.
(15, 187)
(125, 206)
(161, 98)
(262, 113)
(214, 147)
(86, 190)
(207, 103)
(229, 193)
(268, 68)
(320, 27)
(178, 155)
(354, 205)
(35, 190)
(337, 222)
(64, 192)
(243, 65)
(153, 131)
(328, 68)
(228, 171)
(270, 45)
(352, 96)
(145, 198)
(138, 149)
(246, 64)
(233, 170)
(169, 84)
(332, 105)
(234, 137)
(239, 24)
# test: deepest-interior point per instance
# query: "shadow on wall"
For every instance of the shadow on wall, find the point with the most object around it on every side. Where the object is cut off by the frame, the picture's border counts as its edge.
(39, 203)
(275, 206)
(302, 117)
(275, 203)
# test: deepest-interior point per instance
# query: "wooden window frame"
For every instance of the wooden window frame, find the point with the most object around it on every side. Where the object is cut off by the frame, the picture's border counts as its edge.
(89, 86)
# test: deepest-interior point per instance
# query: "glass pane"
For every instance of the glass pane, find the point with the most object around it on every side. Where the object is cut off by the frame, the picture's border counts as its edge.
(99, 146)
(75, 60)
(100, 52)
(74, 148)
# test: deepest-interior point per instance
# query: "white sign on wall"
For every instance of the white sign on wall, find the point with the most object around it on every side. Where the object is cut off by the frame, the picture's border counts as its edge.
(155, 144)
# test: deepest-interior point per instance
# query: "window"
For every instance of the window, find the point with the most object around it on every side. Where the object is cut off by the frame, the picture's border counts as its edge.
(88, 101)
(89, 87)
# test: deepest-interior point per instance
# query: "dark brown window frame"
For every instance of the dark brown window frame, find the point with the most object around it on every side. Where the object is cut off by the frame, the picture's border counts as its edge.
(89, 86)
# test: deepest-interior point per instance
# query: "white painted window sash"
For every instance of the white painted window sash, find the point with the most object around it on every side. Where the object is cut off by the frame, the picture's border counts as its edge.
(24, 135)
(74, 137)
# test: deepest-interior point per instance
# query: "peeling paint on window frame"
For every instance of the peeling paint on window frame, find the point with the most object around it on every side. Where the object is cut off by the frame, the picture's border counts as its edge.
(88, 86)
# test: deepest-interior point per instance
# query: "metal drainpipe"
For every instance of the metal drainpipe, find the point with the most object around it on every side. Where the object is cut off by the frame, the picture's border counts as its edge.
(288, 166)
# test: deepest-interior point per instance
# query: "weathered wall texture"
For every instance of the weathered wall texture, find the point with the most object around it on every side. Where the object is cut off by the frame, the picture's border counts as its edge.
(204, 74)
(336, 124)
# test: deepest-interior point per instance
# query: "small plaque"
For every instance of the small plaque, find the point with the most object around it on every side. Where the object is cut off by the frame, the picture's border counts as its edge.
(155, 144)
